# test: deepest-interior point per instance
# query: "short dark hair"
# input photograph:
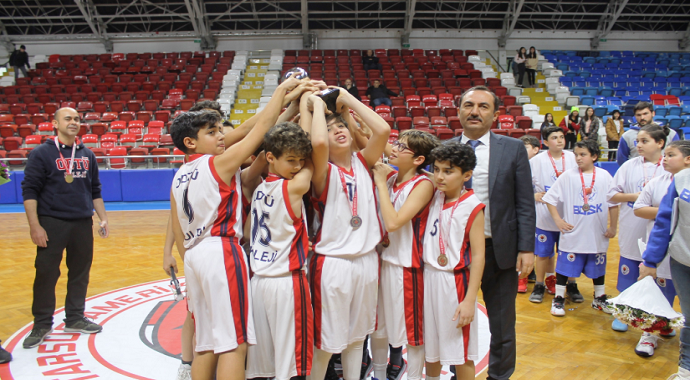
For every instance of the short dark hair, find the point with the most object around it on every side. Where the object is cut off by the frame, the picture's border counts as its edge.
(657, 132)
(591, 145)
(338, 119)
(642, 105)
(546, 132)
(421, 143)
(682, 145)
(480, 88)
(23, 47)
(188, 124)
(457, 154)
(206, 104)
(530, 140)
(287, 137)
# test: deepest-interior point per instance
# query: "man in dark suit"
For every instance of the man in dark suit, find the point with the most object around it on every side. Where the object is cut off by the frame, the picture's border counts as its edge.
(503, 182)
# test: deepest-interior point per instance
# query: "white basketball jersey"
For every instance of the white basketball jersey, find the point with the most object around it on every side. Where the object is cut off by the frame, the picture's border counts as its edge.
(206, 206)
(279, 240)
(631, 178)
(543, 177)
(590, 226)
(456, 232)
(405, 247)
(336, 236)
(651, 196)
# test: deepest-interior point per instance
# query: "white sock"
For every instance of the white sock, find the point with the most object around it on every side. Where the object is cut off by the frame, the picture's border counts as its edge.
(433, 378)
(319, 364)
(560, 291)
(415, 362)
(684, 373)
(379, 355)
(351, 358)
(598, 290)
(549, 275)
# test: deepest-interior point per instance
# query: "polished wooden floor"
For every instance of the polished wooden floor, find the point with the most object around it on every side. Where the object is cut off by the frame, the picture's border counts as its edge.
(579, 346)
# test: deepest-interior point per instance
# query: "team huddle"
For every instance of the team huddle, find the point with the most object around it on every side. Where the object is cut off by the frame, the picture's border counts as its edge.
(299, 242)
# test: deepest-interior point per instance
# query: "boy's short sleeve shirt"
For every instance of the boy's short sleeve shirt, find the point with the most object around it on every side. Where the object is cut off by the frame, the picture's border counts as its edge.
(543, 178)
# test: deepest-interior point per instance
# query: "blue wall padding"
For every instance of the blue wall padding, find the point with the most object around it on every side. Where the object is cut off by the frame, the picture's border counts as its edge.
(8, 191)
(611, 167)
(146, 185)
(111, 185)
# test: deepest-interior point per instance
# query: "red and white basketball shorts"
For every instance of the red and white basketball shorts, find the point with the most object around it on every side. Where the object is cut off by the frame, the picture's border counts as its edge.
(443, 340)
(344, 293)
(401, 305)
(219, 297)
(284, 325)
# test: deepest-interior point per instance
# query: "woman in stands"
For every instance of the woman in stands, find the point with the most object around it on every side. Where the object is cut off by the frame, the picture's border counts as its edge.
(589, 126)
(532, 70)
(571, 127)
(548, 122)
(614, 131)
(520, 59)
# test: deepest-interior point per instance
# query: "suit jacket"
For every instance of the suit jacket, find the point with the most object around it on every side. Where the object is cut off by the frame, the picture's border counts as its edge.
(513, 213)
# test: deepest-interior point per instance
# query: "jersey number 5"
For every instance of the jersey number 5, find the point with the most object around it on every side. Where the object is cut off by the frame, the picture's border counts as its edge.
(265, 237)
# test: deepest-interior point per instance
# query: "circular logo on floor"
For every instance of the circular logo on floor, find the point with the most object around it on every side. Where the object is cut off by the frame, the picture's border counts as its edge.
(140, 340)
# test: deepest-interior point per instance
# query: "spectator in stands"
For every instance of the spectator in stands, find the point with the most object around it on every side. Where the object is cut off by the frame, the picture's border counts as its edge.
(520, 59)
(370, 61)
(18, 60)
(352, 89)
(379, 94)
(614, 131)
(61, 192)
(531, 70)
(589, 126)
(548, 122)
(644, 115)
(571, 127)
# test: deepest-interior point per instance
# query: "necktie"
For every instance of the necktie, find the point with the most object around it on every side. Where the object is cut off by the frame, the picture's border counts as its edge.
(473, 144)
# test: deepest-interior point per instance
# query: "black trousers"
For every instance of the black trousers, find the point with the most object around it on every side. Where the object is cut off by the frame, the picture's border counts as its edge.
(613, 145)
(531, 76)
(570, 140)
(499, 289)
(76, 236)
(521, 73)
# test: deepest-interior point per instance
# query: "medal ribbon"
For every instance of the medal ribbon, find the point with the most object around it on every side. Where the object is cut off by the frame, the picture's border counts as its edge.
(442, 245)
(553, 163)
(62, 158)
(584, 189)
(353, 204)
(397, 195)
(644, 170)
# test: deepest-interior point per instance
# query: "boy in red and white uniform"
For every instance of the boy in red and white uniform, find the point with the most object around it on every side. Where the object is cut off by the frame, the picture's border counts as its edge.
(283, 315)
(453, 264)
(206, 211)
(403, 195)
(344, 269)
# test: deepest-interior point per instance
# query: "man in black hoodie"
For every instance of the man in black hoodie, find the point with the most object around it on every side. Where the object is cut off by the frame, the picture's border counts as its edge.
(18, 59)
(61, 189)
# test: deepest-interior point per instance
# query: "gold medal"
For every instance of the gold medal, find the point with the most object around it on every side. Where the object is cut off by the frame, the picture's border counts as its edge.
(442, 260)
(69, 178)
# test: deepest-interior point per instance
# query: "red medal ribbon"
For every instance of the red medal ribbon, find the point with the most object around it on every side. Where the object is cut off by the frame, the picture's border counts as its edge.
(553, 163)
(442, 245)
(644, 171)
(68, 169)
(353, 204)
(591, 186)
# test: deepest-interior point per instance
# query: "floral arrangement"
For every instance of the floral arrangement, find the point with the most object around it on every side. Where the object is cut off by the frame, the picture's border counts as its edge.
(4, 173)
(644, 321)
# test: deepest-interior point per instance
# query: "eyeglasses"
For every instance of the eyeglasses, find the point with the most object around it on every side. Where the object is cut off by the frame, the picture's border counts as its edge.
(401, 146)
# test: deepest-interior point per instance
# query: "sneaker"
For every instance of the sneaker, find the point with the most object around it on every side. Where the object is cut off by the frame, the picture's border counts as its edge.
(522, 285)
(330, 372)
(85, 326)
(395, 372)
(619, 326)
(532, 277)
(367, 368)
(550, 283)
(572, 293)
(537, 295)
(36, 337)
(646, 345)
(600, 303)
(5, 357)
(668, 335)
(558, 306)
(682, 374)
(184, 372)
(337, 364)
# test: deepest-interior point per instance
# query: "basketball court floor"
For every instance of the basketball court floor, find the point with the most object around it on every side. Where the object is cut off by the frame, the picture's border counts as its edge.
(130, 297)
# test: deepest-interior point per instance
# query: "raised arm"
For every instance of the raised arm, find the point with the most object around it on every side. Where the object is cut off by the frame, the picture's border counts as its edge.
(300, 185)
(418, 199)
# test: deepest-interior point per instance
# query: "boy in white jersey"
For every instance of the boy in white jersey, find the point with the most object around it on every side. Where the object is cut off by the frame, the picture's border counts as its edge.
(546, 168)
(403, 195)
(344, 269)
(453, 264)
(584, 240)
(207, 192)
(283, 316)
(630, 179)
